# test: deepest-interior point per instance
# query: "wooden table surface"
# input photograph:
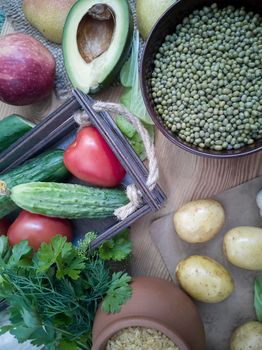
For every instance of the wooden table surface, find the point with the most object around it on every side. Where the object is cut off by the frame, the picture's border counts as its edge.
(183, 177)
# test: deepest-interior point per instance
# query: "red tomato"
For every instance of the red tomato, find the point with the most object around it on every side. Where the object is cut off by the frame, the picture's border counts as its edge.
(90, 159)
(37, 229)
(4, 224)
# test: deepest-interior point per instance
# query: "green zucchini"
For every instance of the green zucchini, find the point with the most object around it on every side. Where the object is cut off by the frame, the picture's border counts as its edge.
(11, 129)
(46, 167)
(68, 200)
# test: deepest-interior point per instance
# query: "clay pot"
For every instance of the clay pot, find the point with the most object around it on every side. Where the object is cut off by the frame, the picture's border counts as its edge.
(156, 304)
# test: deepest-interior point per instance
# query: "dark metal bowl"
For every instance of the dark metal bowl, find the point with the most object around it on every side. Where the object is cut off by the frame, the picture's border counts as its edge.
(167, 25)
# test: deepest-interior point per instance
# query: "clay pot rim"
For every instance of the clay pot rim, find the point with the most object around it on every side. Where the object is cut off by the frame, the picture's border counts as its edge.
(146, 322)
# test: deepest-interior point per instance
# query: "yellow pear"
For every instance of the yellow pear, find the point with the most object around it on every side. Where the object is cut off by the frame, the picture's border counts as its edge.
(148, 12)
(48, 16)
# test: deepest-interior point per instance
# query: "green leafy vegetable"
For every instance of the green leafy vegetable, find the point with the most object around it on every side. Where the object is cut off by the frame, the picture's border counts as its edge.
(133, 100)
(118, 293)
(3, 246)
(60, 252)
(66, 345)
(54, 294)
(127, 74)
(84, 244)
(258, 298)
(5, 329)
(133, 136)
(117, 249)
(19, 252)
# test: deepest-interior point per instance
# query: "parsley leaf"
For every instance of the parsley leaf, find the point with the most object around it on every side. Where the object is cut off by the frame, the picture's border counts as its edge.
(22, 333)
(5, 329)
(117, 249)
(19, 251)
(66, 345)
(118, 293)
(30, 317)
(49, 253)
(61, 253)
(84, 244)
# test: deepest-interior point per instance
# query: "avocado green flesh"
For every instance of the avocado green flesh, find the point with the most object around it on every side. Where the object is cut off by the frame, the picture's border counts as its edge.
(91, 68)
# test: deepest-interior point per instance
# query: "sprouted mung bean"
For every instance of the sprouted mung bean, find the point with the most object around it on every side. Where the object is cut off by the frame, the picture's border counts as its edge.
(134, 338)
(207, 78)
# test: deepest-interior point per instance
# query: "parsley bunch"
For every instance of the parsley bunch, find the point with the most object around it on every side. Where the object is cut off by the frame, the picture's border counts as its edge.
(53, 294)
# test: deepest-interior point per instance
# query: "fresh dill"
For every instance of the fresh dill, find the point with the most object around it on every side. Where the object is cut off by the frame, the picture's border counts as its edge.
(53, 294)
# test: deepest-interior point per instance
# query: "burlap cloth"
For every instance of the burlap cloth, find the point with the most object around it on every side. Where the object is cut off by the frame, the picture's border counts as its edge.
(13, 11)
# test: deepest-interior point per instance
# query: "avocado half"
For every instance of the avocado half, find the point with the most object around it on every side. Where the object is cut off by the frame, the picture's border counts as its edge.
(96, 42)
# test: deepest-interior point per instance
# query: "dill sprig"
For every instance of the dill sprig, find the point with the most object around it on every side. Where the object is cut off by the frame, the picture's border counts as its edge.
(54, 294)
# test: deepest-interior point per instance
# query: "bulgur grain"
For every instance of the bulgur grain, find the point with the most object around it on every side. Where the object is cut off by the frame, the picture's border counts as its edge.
(140, 338)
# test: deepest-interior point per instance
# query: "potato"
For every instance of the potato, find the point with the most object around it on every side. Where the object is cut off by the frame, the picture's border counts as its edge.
(243, 247)
(204, 279)
(199, 221)
(248, 336)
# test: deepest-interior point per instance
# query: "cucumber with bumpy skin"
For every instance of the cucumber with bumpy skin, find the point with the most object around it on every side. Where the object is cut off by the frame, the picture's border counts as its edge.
(11, 129)
(46, 167)
(68, 200)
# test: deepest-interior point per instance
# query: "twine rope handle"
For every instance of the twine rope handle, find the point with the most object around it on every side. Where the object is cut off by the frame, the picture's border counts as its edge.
(133, 193)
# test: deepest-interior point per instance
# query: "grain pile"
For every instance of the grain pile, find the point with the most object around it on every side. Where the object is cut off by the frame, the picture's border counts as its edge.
(135, 338)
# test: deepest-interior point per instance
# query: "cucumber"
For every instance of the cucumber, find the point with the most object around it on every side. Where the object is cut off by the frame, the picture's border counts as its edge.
(11, 129)
(46, 167)
(68, 200)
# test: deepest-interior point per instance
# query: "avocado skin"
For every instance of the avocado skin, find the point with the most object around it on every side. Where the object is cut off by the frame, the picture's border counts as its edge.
(122, 59)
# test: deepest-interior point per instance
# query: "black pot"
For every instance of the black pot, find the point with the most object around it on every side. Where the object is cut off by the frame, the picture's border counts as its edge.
(167, 25)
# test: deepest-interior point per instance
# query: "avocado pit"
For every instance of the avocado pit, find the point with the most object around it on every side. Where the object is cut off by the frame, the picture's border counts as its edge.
(95, 32)
(96, 41)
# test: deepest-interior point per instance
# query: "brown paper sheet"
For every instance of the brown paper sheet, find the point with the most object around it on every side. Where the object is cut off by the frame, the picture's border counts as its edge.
(219, 319)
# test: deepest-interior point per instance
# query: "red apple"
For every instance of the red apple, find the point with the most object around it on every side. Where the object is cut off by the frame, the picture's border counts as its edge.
(27, 70)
